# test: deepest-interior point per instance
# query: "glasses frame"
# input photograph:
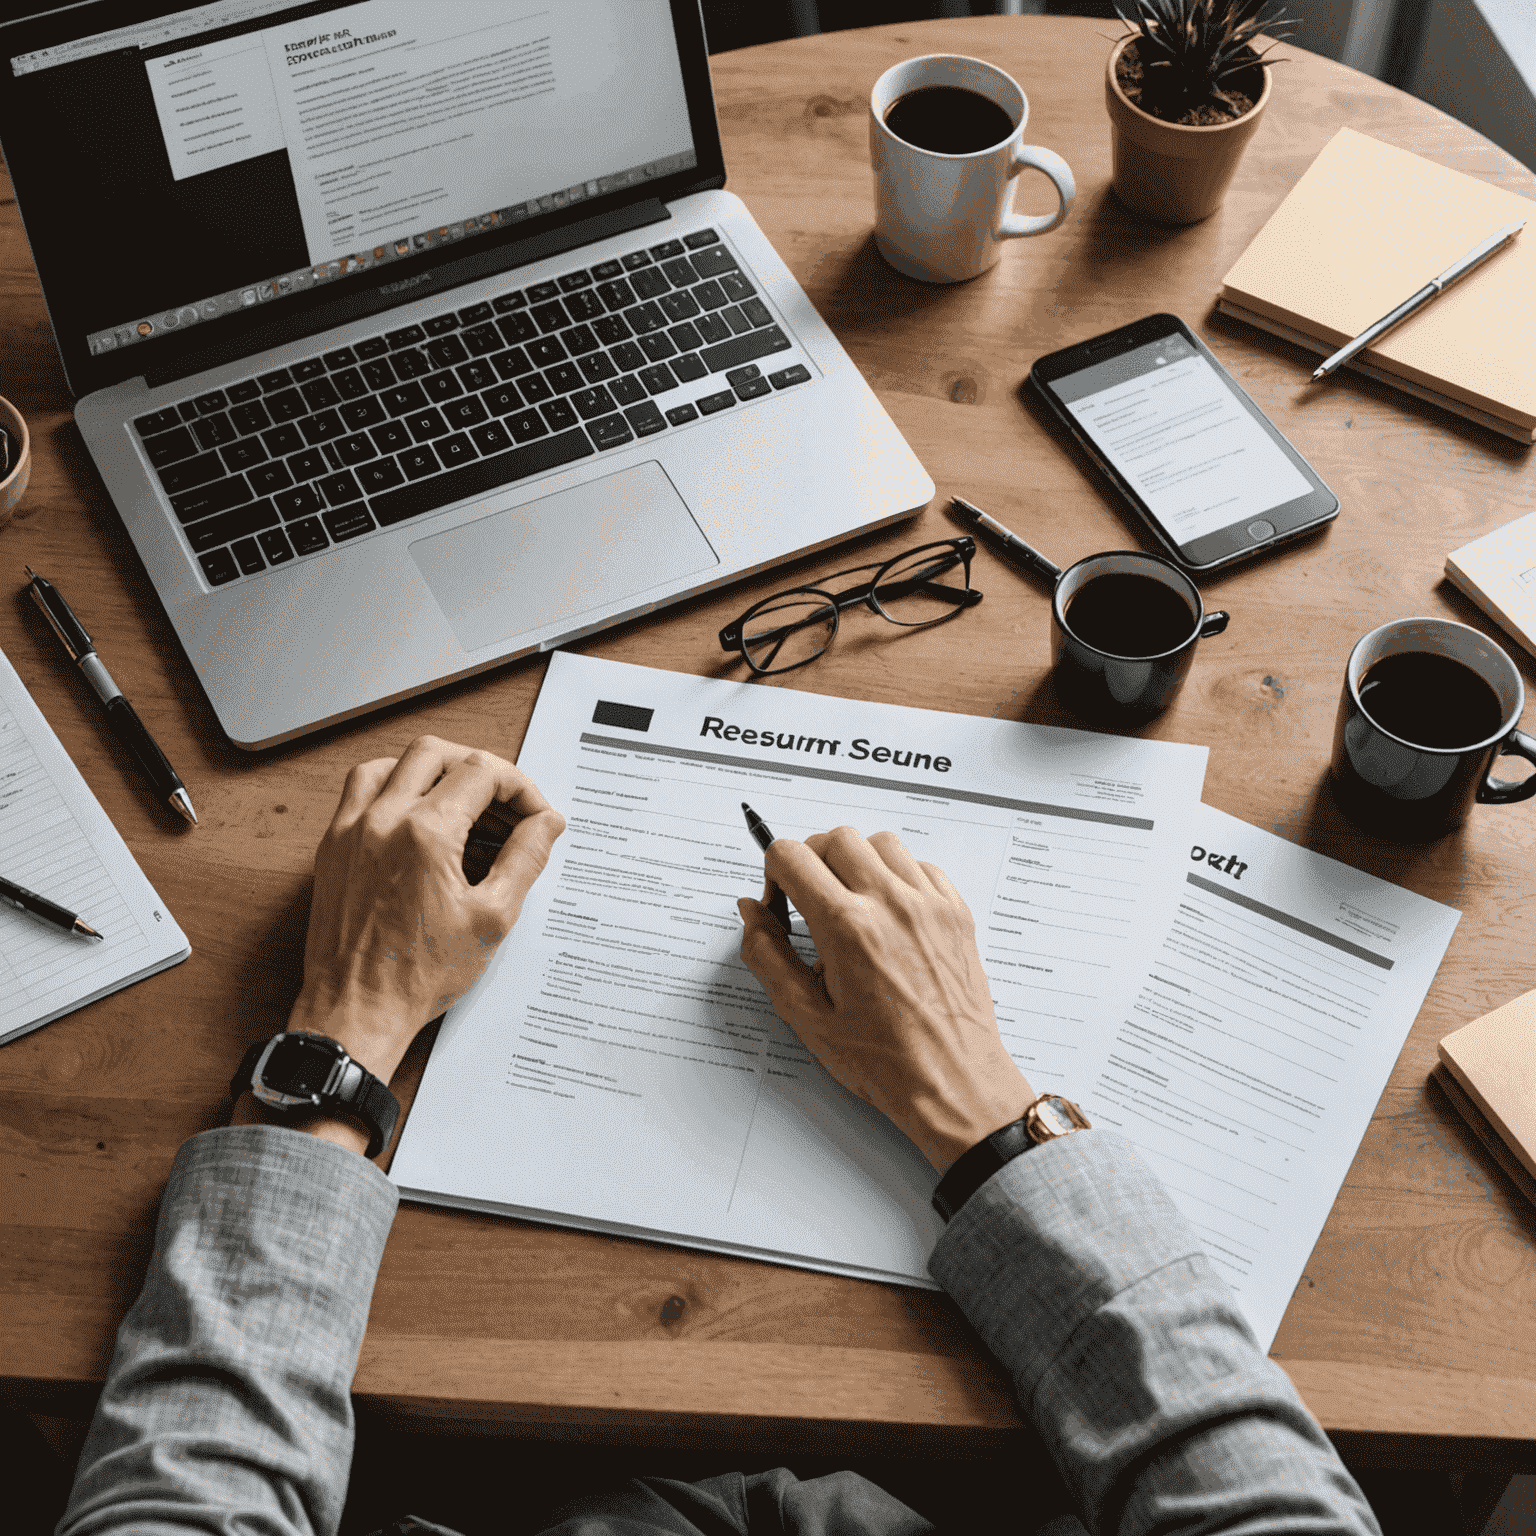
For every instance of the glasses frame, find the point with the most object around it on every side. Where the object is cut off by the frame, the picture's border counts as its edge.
(962, 550)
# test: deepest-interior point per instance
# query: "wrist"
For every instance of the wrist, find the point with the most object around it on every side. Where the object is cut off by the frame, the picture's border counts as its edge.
(945, 1129)
(326, 1124)
(376, 1038)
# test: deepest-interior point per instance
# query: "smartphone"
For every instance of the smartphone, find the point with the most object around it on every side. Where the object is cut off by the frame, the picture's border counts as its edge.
(1207, 471)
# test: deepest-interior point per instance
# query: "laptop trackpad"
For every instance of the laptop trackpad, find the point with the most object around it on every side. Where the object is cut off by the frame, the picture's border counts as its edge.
(543, 565)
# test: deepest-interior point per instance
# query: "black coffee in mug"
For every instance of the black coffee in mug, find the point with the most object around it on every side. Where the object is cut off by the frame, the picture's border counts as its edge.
(948, 120)
(1129, 615)
(1430, 700)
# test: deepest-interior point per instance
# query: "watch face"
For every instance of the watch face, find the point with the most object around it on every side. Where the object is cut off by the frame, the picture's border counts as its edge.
(300, 1068)
(1053, 1116)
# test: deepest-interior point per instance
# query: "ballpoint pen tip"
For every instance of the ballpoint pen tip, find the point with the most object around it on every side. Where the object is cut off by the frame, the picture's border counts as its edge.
(181, 802)
(86, 931)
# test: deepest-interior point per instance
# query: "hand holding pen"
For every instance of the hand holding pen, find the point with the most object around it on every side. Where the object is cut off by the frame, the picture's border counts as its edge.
(125, 723)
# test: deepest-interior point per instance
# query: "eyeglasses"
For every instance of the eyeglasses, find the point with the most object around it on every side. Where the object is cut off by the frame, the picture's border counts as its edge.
(916, 589)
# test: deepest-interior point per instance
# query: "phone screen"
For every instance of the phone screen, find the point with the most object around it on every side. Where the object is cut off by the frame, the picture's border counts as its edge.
(1164, 418)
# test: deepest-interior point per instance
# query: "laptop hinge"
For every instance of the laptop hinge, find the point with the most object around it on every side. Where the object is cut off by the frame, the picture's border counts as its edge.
(342, 310)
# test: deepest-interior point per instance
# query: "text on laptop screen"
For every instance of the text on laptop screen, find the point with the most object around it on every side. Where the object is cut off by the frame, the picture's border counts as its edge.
(236, 153)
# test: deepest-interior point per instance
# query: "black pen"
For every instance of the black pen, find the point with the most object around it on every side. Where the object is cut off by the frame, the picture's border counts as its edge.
(129, 728)
(24, 900)
(1013, 546)
(762, 835)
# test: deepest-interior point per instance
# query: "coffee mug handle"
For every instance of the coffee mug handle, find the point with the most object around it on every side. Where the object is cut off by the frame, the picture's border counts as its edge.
(1494, 791)
(1033, 157)
(1214, 623)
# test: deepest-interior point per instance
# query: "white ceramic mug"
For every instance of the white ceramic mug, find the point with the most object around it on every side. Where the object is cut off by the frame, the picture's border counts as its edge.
(944, 218)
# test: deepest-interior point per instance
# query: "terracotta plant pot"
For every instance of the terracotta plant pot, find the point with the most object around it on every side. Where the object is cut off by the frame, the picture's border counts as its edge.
(1169, 172)
(15, 482)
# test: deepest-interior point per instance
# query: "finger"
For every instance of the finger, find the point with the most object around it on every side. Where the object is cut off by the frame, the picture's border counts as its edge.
(847, 853)
(943, 884)
(792, 986)
(362, 788)
(421, 765)
(777, 903)
(522, 860)
(468, 787)
(804, 878)
(897, 858)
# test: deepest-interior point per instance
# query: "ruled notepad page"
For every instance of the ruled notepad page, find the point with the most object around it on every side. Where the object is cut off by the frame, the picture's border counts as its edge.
(56, 839)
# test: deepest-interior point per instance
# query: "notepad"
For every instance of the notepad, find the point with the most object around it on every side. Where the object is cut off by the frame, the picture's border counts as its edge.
(56, 839)
(1498, 572)
(1493, 1061)
(1368, 225)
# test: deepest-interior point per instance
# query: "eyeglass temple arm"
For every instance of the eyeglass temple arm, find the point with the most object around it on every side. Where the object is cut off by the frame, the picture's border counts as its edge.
(730, 636)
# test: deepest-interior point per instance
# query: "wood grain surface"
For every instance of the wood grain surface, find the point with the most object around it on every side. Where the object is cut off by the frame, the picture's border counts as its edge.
(1413, 1332)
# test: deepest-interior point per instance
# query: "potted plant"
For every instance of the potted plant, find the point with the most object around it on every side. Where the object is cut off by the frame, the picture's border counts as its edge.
(1185, 89)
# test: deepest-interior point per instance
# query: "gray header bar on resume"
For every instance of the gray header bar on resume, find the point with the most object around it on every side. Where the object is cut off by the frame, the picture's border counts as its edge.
(1287, 921)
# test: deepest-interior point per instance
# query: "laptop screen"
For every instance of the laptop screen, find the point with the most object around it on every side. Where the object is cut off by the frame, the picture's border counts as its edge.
(242, 154)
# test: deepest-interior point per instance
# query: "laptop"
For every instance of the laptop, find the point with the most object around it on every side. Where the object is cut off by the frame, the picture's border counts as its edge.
(413, 336)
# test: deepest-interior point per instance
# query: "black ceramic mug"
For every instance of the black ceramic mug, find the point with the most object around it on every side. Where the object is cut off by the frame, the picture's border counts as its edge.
(1124, 633)
(1398, 768)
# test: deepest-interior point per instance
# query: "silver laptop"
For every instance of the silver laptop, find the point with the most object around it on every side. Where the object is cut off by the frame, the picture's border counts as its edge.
(412, 336)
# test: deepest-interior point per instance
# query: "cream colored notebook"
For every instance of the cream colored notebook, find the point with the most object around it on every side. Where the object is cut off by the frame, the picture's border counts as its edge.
(1494, 1060)
(1369, 224)
(1498, 572)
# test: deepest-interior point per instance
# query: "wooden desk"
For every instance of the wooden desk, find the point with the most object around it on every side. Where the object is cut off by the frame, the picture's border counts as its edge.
(1413, 1333)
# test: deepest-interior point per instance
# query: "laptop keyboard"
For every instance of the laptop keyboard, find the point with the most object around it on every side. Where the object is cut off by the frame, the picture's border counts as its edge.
(290, 463)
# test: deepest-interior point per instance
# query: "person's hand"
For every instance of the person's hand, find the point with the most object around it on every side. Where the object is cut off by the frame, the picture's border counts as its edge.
(897, 1007)
(396, 932)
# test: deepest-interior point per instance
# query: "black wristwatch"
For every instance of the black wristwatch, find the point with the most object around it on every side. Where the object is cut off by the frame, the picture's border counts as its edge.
(298, 1070)
(1049, 1118)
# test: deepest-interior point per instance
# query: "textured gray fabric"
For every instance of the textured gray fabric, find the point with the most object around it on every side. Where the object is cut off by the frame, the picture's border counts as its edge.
(226, 1409)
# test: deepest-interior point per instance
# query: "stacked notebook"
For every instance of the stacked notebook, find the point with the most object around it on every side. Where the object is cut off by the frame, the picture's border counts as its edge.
(1498, 572)
(1488, 1071)
(55, 839)
(1365, 227)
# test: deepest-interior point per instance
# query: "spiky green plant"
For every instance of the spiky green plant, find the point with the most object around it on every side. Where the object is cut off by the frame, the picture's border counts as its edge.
(1191, 50)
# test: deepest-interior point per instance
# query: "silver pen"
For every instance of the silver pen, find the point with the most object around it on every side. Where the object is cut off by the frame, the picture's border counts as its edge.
(1431, 290)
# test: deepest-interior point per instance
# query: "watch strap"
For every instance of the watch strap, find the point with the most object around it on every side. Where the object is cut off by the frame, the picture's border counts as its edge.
(364, 1096)
(972, 1169)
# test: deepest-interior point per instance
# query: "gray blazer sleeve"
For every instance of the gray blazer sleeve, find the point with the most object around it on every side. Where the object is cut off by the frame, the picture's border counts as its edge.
(1130, 1355)
(227, 1407)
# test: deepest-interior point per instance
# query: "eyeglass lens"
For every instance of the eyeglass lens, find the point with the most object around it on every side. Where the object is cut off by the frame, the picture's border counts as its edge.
(789, 630)
(918, 589)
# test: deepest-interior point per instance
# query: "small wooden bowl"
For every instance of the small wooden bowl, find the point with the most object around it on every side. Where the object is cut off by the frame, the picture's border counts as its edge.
(12, 486)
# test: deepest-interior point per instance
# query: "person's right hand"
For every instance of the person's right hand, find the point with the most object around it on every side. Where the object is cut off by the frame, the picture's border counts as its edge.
(897, 1008)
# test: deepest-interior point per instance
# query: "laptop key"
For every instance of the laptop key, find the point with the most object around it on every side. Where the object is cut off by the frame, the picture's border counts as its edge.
(546, 351)
(391, 437)
(492, 437)
(403, 398)
(475, 313)
(602, 270)
(611, 330)
(419, 462)
(516, 328)
(482, 340)
(310, 368)
(322, 428)
(275, 546)
(342, 357)
(583, 306)
(250, 417)
(680, 271)
(168, 447)
(628, 356)
(658, 347)
(712, 328)
(286, 405)
(563, 378)
(688, 367)
(560, 415)
(219, 567)
(597, 366)
(550, 317)
(538, 292)
(406, 336)
(593, 402)
(700, 237)
(278, 379)
(571, 281)
(737, 321)
(501, 399)
(750, 389)
(378, 373)
(367, 412)
(649, 283)
(381, 475)
(579, 339)
(349, 384)
(308, 536)
(667, 248)
(455, 450)
(658, 380)
(354, 449)
(645, 318)
(745, 349)
(213, 531)
(712, 403)
(678, 306)
(338, 490)
(509, 301)
(712, 263)
(481, 476)
(741, 375)
(247, 556)
(156, 421)
(220, 496)
(439, 387)
(511, 364)
(610, 432)
(214, 431)
(246, 389)
(464, 413)
(308, 465)
(525, 426)
(348, 522)
(243, 455)
(757, 312)
(187, 410)
(283, 440)
(680, 415)
(617, 295)
(320, 393)
(446, 351)
(481, 373)
(375, 346)
(301, 501)
(636, 259)
(185, 474)
(646, 419)
(425, 425)
(535, 389)
(266, 479)
(736, 285)
(685, 337)
(440, 325)
(410, 363)
(628, 390)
